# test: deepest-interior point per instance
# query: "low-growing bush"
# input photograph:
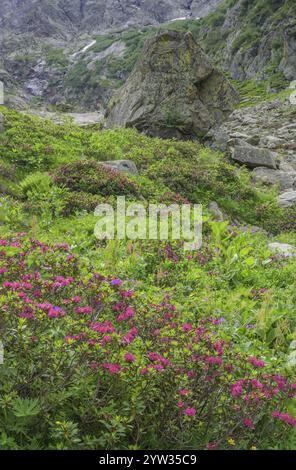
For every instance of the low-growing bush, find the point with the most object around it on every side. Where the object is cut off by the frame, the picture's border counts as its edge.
(80, 201)
(91, 177)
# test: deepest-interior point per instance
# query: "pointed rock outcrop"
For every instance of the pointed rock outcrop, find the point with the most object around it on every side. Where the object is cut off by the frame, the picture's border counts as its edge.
(174, 90)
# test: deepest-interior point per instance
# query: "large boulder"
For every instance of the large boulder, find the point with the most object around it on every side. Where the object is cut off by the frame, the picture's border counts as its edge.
(285, 180)
(254, 157)
(283, 249)
(287, 199)
(121, 166)
(174, 90)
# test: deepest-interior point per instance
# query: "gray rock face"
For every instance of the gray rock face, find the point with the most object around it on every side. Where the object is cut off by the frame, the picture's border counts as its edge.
(287, 199)
(122, 166)
(253, 157)
(246, 57)
(288, 63)
(283, 249)
(43, 43)
(62, 18)
(270, 127)
(215, 210)
(174, 90)
(285, 180)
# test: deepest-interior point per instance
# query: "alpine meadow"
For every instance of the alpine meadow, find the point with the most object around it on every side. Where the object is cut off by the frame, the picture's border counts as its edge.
(148, 227)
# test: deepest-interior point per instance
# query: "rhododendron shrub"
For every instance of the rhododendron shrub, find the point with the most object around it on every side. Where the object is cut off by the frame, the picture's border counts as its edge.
(93, 362)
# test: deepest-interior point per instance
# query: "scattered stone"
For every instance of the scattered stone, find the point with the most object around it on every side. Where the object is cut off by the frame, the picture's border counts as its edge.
(217, 139)
(253, 157)
(270, 177)
(253, 140)
(79, 119)
(284, 249)
(122, 166)
(271, 142)
(287, 199)
(174, 90)
(216, 211)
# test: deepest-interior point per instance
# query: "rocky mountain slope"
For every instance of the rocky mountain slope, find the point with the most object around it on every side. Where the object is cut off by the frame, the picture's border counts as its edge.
(63, 18)
(252, 38)
(45, 46)
(263, 138)
(73, 55)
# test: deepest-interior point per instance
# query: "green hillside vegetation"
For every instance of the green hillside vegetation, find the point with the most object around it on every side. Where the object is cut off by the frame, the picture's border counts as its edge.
(202, 341)
(169, 169)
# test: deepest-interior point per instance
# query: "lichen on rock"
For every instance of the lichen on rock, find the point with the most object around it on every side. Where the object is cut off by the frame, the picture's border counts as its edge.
(174, 90)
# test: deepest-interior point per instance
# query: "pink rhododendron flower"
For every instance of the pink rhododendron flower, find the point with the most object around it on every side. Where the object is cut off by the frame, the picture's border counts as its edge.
(56, 312)
(28, 315)
(190, 411)
(106, 327)
(129, 357)
(45, 306)
(285, 417)
(184, 392)
(129, 313)
(249, 423)
(212, 446)
(187, 327)
(127, 294)
(213, 360)
(107, 339)
(112, 368)
(191, 374)
(257, 384)
(83, 310)
(256, 362)
(237, 389)
(130, 336)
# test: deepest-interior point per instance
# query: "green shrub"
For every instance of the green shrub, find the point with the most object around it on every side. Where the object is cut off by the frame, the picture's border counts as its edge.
(33, 144)
(81, 201)
(43, 198)
(36, 183)
(91, 177)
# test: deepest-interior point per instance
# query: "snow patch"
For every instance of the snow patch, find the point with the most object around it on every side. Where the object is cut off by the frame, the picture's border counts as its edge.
(179, 19)
(84, 49)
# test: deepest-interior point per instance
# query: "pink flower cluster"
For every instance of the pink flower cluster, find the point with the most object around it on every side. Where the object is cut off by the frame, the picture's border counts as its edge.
(285, 417)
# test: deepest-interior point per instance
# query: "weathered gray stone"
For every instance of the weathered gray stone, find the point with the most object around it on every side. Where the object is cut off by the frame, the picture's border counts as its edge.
(217, 139)
(285, 180)
(253, 140)
(174, 90)
(283, 249)
(287, 199)
(215, 210)
(288, 63)
(271, 142)
(122, 166)
(253, 157)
